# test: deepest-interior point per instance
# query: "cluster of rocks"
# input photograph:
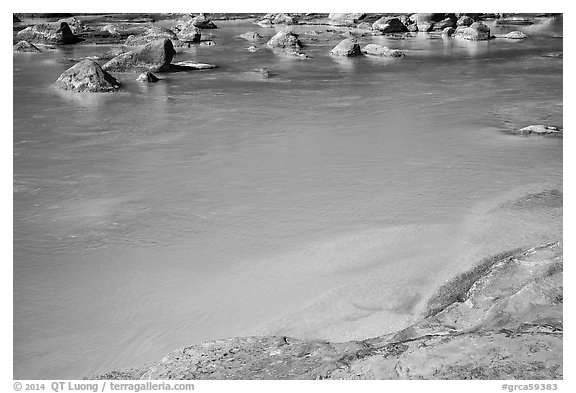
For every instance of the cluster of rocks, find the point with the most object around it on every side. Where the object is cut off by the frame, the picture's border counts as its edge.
(349, 47)
(503, 319)
(276, 19)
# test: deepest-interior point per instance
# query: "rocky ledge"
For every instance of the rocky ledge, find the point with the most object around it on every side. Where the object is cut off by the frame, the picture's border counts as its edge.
(500, 320)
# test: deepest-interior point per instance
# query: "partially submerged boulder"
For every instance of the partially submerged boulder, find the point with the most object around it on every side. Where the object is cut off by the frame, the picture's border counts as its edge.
(379, 50)
(25, 47)
(151, 34)
(251, 36)
(56, 33)
(513, 35)
(76, 25)
(126, 29)
(448, 31)
(425, 21)
(540, 130)
(345, 19)
(189, 33)
(477, 31)
(154, 56)
(348, 47)
(191, 65)
(389, 25)
(285, 39)
(87, 76)
(147, 77)
(464, 20)
(277, 19)
(203, 22)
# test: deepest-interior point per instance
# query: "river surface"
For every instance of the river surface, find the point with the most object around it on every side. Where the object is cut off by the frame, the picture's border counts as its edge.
(328, 201)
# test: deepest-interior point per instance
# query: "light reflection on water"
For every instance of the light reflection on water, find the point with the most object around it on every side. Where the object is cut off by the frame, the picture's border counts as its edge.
(327, 201)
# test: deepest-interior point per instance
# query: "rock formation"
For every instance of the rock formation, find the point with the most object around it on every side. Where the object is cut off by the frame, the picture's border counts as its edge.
(25, 47)
(56, 33)
(87, 76)
(155, 56)
(348, 47)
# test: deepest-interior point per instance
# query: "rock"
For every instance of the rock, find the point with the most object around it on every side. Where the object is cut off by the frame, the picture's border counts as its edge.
(154, 56)
(464, 20)
(112, 53)
(207, 43)
(379, 50)
(540, 130)
(444, 23)
(252, 48)
(126, 29)
(349, 19)
(265, 72)
(348, 47)
(76, 25)
(191, 65)
(513, 35)
(25, 47)
(477, 31)
(501, 320)
(251, 36)
(515, 21)
(364, 26)
(56, 33)
(147, 77)
(87, 76)
(202, 22)
(189, 33)
(449, 31)
(277, 19)
(151, 34)
(15, 19)
(425, 22)
(285, 39)
(389, 25)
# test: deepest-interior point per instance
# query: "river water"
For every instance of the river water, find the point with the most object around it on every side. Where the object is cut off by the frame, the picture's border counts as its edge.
(328, 201)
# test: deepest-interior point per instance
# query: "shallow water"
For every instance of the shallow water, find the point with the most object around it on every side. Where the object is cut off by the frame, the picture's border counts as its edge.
(327, 201)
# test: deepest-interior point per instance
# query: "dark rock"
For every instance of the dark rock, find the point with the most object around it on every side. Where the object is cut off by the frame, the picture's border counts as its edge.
(444, 23)
(189, 33)
(25, 47)
(154, 56)
(379, 50)
(349, 19)
(513, 35)
(202, 22)
(147, 77)
(151, 34)
(56, 33)
(348, 47)
(285, 39)
(464, 20)
(449, 31)
(477, 31)
(15, 19)
(251, 36)
(540, 130)
(87, 76)
(389, 25)
(425, 22)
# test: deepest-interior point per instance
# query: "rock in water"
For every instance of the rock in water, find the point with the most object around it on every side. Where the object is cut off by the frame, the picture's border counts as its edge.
(25, 47)
(345, 19)
(56, 33)
(513, 35)
(87, 76)
(348, 47)
(153, 33)
(251, 36)
(147, 77)
(449, 31)
(464, 20)
(189, 33)
(75, 24)
(285, 39)
(389, 25)
(425, 22)
(379, 50)
(540, 130)
(477, 31)
(154, 56)
(202, 22)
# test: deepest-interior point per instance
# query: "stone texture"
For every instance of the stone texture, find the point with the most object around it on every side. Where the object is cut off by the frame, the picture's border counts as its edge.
(477, 31)
(147, 77)
(87, 76)
(285, 39)
(379, 50)
(25, 47)
(154, 56)
(540, 130)
(513, 35)
(348, 47)
(56, 33)
(345, 19)
(389, 25)
(151, 34)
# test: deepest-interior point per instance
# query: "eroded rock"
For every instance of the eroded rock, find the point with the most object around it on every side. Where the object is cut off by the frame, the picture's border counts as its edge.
(513, 35)
(389, 25)
(348, 47)
(56, 33)
(477, 31)
(147, 77)
(25, 47)
(379, 50)
(285, 39)
(154, 56)
(87, 76)
(151, 34)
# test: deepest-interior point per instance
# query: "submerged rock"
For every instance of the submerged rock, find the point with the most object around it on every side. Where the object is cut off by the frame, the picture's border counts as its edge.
(56, 33)
(389, 25)
(503, 319)
(513, 35)
(477, 31)
(147, 77)
(348, 47)
(191, 65)
(154, 56)
(379, 50)
(251, 36)
(252, 48)
(540, 130)
(25, 47)
(87, 76)
(285, 39)
(151, 34)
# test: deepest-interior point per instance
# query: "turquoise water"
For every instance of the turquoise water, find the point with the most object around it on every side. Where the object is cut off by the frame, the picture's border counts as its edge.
(327, 201)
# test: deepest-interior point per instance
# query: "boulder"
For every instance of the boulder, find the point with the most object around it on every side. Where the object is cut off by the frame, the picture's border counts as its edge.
(25, 47)
(513, 35)
(202, 22)
(348, 47)
(151, 34)
(477, 31)
(389, 25)
(277, 19)
(56, 33)
(448, 31)
(444, 23)
(76, 25)
(251, 36)
(349, 19)
(191, 65)
(126, 29)
(425, 22)
(540, 130)
(379, 50)
(87, 76)
(147, 77)
(464, 20)
(285, 39)
(154, 56)
(252, 48)
(189, 33)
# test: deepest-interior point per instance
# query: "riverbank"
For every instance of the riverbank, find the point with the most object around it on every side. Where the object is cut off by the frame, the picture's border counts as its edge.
(500, 320)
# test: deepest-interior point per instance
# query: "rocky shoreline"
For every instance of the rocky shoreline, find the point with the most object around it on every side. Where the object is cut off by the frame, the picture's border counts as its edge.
(500, 320)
